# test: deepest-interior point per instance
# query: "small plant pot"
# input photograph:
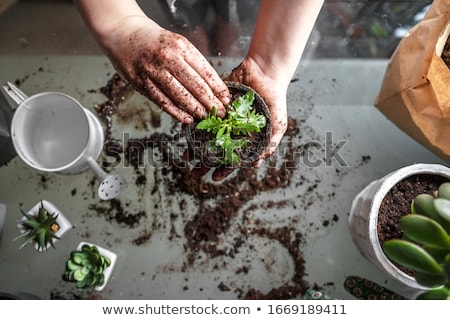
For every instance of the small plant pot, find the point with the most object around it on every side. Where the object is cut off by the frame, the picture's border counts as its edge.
(108, 254)
(63, 223)
(363, 221)
(256, 142)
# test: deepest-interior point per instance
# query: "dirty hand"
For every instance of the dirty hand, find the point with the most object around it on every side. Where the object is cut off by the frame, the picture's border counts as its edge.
(166, 68)
(274, 95)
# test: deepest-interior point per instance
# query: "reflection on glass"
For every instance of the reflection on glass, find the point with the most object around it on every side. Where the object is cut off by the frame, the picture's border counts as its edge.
(215, 27)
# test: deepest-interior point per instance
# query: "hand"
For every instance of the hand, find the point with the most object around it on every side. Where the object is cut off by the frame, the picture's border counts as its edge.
(274, 94)
(166, 68)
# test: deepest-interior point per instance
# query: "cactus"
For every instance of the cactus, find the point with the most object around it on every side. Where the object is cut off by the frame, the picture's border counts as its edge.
(86, 267)
(425, 247)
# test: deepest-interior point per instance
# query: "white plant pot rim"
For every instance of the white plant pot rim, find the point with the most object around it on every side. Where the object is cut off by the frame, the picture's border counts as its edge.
(363, 218)
(104, 252)
(63, 223)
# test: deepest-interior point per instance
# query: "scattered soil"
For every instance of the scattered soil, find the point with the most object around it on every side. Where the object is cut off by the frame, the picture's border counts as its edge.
(397, 203)
(218, 203)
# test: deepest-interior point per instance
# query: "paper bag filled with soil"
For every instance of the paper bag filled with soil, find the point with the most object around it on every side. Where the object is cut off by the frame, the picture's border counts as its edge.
(415, 93)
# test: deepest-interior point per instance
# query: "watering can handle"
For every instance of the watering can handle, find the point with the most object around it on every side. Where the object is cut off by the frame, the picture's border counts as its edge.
(14, 93)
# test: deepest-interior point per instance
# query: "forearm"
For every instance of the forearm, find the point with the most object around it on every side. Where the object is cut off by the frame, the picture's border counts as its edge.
(281, 34)
(104, 16)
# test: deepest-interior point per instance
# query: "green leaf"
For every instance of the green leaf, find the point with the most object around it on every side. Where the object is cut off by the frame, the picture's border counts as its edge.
(240, 120)
(447, 269)
(438, 254)
(411, 256)
(435, 294)
(429, 280)
(425, 230)
(243, 104)
(423, 204)
(444, 191)
(442, 207)
(72, 265)
(77, 257)
(78, 275)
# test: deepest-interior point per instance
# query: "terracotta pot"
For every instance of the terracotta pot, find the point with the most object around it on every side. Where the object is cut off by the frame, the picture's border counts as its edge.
(197, 139)
(363, 221)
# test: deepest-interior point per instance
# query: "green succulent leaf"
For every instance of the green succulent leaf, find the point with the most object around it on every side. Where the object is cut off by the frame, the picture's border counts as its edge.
(438, 254)
(39, 228)
(77, 257)
(425, 230)
(86, 267)
(423, 204)
(81, 284)
(444, 191)
(435, 294)
(447, 268)
(442, 207)
(411, 256)
(78, 275)
(429, 280)
(71, 265)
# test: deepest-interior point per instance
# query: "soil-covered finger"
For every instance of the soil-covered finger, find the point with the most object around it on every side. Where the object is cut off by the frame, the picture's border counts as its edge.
(200, 89)
(180, 95)
(210, 76)
(155, 94)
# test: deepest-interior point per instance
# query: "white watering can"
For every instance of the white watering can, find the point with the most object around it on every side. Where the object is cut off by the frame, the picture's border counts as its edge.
(52, 132)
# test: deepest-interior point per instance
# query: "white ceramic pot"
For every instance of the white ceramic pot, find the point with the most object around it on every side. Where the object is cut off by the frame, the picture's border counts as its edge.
(63, 223)
(53, 132)
(364, 217)
(107, 253)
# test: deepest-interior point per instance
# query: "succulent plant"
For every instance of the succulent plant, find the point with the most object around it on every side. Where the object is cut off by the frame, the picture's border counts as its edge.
(86, 267)
(39, 227)
(425, 247)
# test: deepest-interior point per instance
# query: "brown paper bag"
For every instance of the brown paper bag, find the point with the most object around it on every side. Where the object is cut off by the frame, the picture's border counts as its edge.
(415, 93)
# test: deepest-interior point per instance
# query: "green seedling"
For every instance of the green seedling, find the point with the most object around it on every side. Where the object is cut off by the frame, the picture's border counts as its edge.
(240, 120)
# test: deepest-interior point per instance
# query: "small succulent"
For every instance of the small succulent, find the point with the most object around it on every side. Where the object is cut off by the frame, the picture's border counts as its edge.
(425, 247)
(39, 227)
(86, 267)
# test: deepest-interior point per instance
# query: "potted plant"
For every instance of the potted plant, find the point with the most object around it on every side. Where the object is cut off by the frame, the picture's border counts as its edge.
(425, 248)
(42, 226)
(89, 266)
(237, 139)
(366, 223)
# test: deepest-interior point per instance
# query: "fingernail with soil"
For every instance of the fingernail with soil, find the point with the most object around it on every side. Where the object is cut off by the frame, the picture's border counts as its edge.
(188, 120)
(226, 100)
(220, 113)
